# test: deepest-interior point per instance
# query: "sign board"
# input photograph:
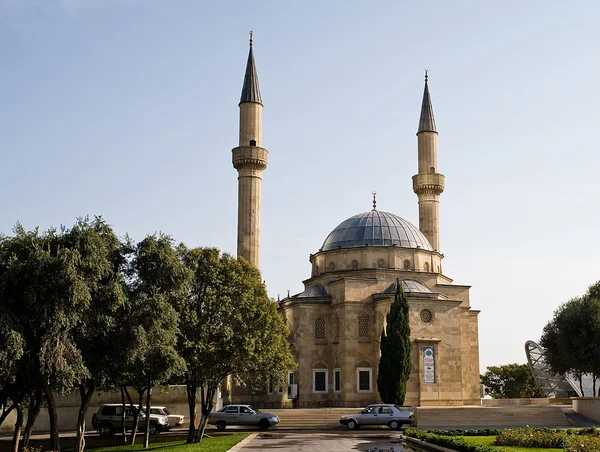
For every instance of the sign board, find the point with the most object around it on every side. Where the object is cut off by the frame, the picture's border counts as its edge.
(428, 364)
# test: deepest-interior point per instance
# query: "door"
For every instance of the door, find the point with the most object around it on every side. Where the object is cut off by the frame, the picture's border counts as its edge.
(231, 414)
(385, 415)
(247, 416)
(369, 415)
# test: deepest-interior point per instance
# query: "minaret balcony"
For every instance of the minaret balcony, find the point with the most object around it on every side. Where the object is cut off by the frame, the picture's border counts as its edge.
(428, 183)
(249, 157)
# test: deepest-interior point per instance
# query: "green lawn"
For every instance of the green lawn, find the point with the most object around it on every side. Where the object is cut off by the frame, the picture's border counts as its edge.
(213, 444)
(489, 441)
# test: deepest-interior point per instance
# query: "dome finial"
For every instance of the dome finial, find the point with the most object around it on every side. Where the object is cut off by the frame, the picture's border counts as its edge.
(374, 200)
(250, 38)
(426, 70)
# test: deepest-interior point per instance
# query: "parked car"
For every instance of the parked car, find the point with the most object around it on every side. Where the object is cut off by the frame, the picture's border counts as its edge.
(174, 419)
(107, 421)
(379, 414)
(242, 415)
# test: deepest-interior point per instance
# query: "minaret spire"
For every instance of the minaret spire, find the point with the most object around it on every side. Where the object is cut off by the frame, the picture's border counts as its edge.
(427, 121)
(428, 184)
(250, 160)
(251, 90)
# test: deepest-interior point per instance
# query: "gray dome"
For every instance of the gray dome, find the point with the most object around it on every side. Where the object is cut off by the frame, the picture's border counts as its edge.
(375, 228)
(409, 285)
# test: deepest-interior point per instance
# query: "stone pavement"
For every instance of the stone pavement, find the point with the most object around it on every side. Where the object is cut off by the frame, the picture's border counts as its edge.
(326, 442)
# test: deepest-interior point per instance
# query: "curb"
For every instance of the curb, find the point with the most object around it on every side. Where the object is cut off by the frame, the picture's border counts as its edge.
(243, 442)
(426, 446)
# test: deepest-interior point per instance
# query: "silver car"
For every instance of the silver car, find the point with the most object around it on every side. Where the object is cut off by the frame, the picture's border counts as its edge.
(379, 414)
(242, 415)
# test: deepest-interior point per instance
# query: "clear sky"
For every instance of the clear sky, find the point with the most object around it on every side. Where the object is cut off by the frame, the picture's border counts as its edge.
(128, 109)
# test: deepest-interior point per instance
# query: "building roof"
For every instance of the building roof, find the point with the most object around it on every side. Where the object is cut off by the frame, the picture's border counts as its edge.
(409, 285)
(251, 90)
(426, 121)
(375, 228)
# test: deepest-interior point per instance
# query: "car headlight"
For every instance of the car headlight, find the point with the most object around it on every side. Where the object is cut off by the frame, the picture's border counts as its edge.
(162, 420)
(274, 418)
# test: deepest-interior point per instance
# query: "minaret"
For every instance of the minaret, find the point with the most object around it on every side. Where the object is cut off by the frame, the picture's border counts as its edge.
(428, 184)
(250, 159)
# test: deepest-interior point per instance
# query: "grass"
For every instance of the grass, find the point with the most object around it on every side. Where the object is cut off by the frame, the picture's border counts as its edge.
(213, 444)
(489, 441)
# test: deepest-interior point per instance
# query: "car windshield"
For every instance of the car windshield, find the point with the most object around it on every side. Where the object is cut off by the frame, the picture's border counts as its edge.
(167, 412)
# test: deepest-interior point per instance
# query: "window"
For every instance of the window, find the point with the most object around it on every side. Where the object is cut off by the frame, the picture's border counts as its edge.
(231, 409)
(386, 410)
(363, 326)
(337, 380)
(320, 377)
(426, 267)
(320, 328)
(406, 264)
(354, 265)
(252, 142)
(290, 378)
(331, 266)
(426, 316)
(363, 379)
(380, 263)
(245, 409)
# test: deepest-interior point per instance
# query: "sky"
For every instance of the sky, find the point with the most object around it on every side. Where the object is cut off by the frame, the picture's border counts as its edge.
(128, 109)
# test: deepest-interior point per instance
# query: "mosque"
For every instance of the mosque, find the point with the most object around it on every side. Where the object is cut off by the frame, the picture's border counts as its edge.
(336, 322)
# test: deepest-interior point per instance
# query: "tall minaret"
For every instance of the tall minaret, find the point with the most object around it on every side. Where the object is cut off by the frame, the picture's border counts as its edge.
(250, 159)
(428, 184)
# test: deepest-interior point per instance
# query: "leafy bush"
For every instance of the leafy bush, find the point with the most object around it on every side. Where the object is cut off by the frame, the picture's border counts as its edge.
(452, 442)
(583, 443)
(460, 432)
(531, 437)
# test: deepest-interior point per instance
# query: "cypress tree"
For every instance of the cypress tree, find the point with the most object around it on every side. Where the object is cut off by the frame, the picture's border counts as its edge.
(394, 364)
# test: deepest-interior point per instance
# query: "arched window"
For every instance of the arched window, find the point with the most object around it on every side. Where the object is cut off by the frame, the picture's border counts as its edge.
(406, 264)
(336, 327)
(331, 266)
(363, 326)
(320, 328)
(380, 263)
(354, 264)
(426, 266)
(432, 170)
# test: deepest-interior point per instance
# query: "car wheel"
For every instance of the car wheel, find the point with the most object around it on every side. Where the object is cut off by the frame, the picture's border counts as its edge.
(395, 425)
(352, 425)
(264, 424)
(221, 425)
(153, 429)
(105, 430)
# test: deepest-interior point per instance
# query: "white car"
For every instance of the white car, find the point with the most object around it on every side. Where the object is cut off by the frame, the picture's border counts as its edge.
(379, 414)
(174, 419)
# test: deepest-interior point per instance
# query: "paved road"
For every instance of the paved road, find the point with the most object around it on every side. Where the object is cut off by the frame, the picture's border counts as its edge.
(326, 442)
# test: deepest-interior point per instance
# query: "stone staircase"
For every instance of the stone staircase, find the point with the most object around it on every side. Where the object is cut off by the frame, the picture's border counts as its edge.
(492, 416)
(314, 418)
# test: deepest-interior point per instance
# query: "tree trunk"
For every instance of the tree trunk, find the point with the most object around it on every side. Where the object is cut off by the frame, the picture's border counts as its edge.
(191, 397)
(85, 403)
(32, 413)
(6, 412)
(136, 415)
(123, 390)
(581, 385)
(54, 438)
(18, 428)
(206, 406)
(147, 427)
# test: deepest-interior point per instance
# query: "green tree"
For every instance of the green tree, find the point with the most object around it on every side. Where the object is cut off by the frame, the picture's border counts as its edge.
(228, 328)
(510, 381)
(572, 338)
(158, 280)
(394, 364)
(42, 287)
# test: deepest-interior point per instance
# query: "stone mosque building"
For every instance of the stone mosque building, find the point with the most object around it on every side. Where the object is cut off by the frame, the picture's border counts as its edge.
(336, 322)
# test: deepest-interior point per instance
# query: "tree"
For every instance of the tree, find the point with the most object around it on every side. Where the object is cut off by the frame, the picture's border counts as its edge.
(157, 281)
(228, 328)
(394, 364)
(572, 338)
(510, 381)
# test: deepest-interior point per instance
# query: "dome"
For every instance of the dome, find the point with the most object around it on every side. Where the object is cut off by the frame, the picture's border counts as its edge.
(375, 228)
